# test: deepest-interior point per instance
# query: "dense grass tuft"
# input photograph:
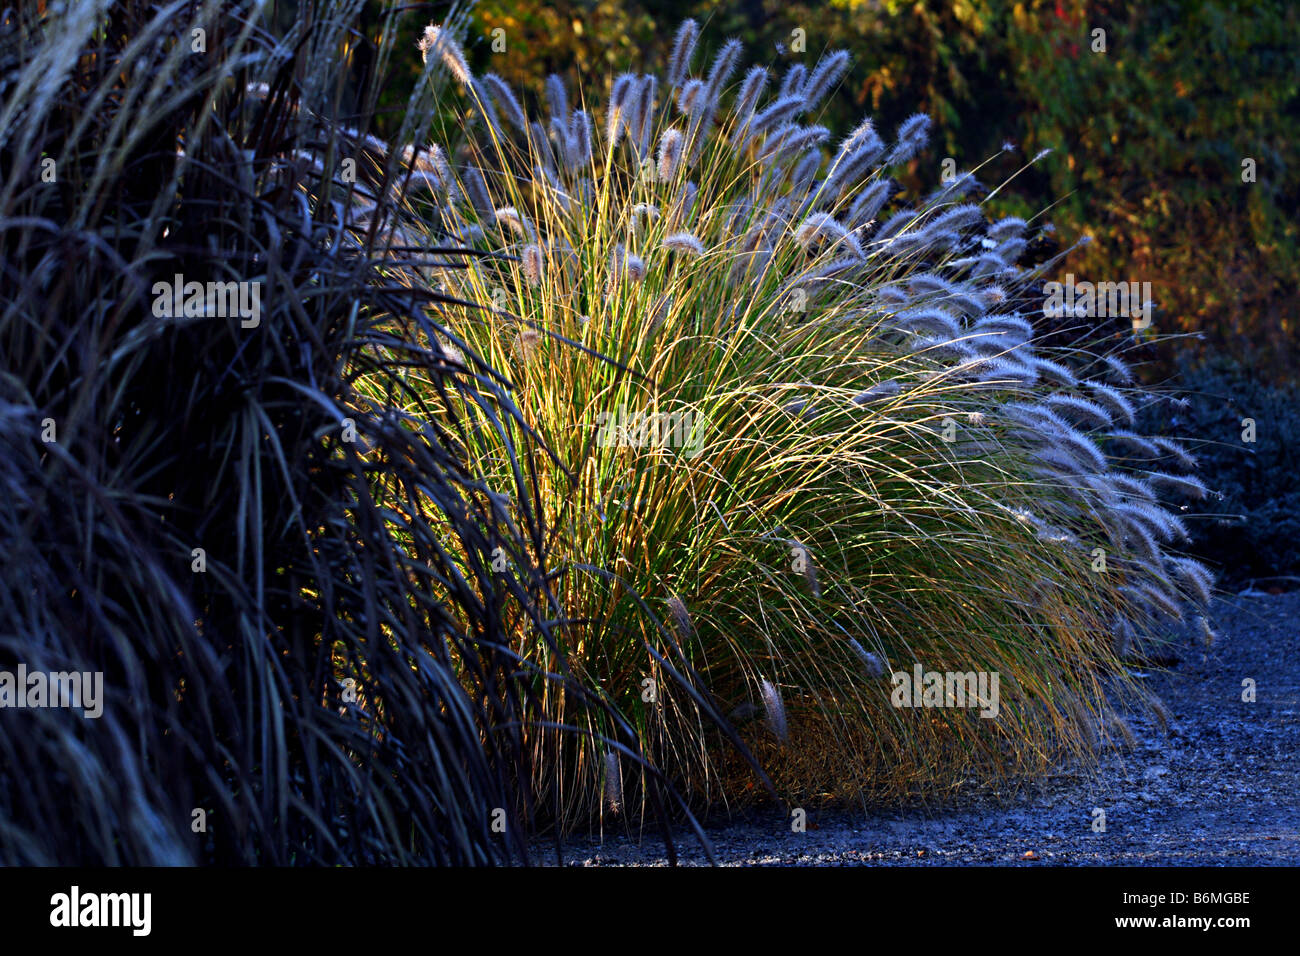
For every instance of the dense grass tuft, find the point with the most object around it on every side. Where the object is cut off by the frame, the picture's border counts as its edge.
(830, 445)
(272, 545)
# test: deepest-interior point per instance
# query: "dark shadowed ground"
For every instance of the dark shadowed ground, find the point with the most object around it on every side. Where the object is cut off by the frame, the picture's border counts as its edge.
(1221, 787)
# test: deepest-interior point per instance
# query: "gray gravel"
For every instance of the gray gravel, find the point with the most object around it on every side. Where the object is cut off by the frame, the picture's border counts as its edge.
(1220, 787)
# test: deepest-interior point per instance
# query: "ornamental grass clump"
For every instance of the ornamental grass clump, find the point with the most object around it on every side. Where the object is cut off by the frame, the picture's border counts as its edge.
(804, 438)
(285, 566)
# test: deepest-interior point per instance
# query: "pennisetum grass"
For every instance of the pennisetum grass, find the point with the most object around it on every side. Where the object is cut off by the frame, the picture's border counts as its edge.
(880, 462)
(280, 541)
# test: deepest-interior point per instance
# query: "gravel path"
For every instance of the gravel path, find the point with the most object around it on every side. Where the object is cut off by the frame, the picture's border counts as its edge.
(1220, 788)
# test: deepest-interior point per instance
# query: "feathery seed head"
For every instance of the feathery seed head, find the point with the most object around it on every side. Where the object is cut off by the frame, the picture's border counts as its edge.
(929, 320)
(557, 99)
(670, 153)
(644, 126)
(1013, 325)
(774, 115)
(724, 64)
(1185, 485)
(1114, 401)
(509, 216)
(1177, 451)
(913, 134)
(1012, 227)
(531, 260)
(881, 390)
(1199, 578)
(829, 71)
(689, 96)
(578, 139)
(793, 81)
(680, 616)
(928, 284)
(623, 263)
(679, 63)
(822, 227)
(429, 160)
(869, 203)
(440, 43)
(1082, 448)
(505, 98)
(805, 409)
(750, 90)
(871, 663)
(1079, 410)
(1010, 250)
(619, 107)
(849, 168)
(864, 134)
(623, 86)
(895, 224)
(1155, 519)
(801, 177)
(1005, 372)
(791, 140)
(645, 210)
(1118, 368)
(775, 709)
(613, 783)
(683, 242)
(477, 191)
(953, 190)
(1122, 631)
(527, 344)
(1054, 371)
(1208, 636)
(959, 217)
(1131, 486)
